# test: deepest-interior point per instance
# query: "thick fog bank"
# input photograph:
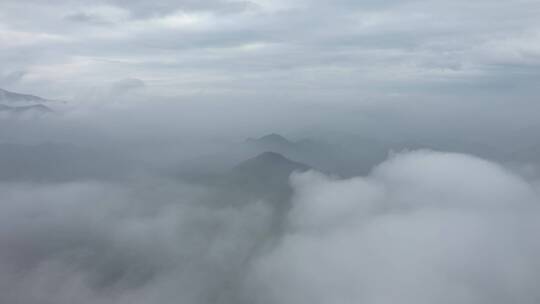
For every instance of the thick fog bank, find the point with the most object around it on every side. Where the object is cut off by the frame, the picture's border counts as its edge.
(154, 242)
(423, 227)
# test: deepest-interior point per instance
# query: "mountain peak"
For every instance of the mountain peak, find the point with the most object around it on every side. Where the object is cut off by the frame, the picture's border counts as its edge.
(271, 138)
(37, 108)
(8, 96)
(270, 156)
(270, 161)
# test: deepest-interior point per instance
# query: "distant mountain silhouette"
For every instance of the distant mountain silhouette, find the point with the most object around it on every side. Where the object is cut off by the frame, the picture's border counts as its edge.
(270, 139)
(38, 108)
(307, 151)
(12, 103)
(269, 165)
(263, 178)
(12, 97)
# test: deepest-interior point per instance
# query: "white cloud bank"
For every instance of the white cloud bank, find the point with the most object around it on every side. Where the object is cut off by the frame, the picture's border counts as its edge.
(95, 243)
(423, 227)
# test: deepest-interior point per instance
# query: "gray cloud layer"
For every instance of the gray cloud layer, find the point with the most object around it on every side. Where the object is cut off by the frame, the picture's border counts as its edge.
(346, 49)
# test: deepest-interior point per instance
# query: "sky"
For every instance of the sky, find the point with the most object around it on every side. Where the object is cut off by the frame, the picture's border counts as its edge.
(306, 50)
(418, 120)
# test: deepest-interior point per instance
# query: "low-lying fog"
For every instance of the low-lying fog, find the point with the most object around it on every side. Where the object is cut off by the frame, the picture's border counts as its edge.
(182, 202)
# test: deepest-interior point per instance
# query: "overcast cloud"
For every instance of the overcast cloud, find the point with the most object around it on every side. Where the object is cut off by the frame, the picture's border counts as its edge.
(346, 49)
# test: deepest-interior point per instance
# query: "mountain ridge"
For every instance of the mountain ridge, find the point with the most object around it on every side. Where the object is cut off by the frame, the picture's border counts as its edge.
(13, 97)
(38, 108)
